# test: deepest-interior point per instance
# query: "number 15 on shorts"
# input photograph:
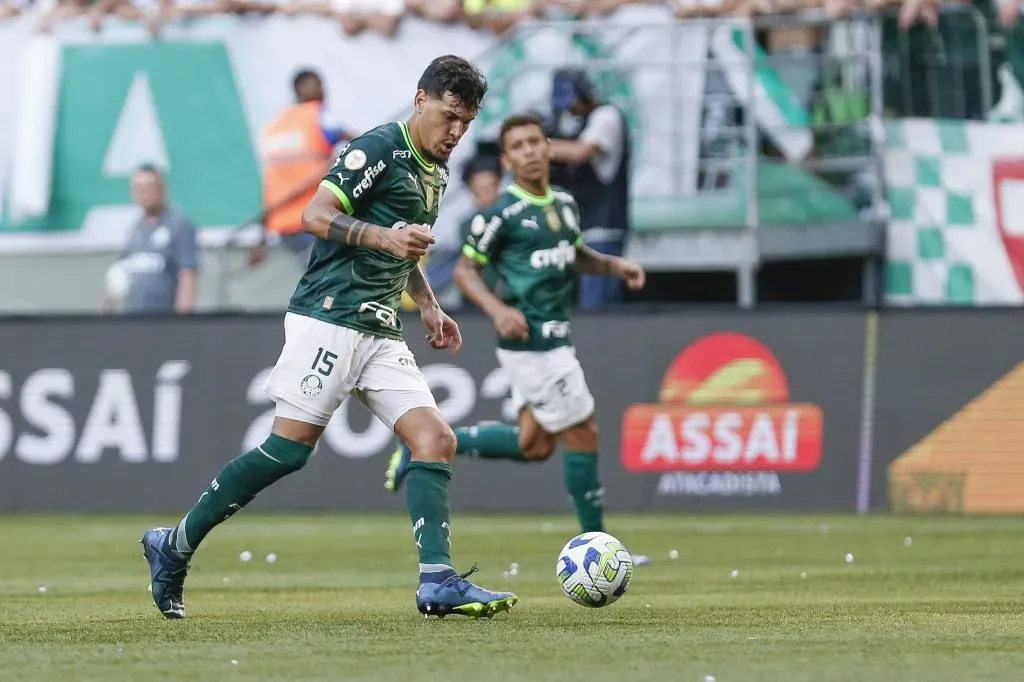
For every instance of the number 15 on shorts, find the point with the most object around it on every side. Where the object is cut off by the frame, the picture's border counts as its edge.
(324, 362)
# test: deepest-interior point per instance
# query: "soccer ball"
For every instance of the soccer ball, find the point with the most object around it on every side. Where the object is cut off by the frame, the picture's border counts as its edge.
(594, 569)
(118, 281)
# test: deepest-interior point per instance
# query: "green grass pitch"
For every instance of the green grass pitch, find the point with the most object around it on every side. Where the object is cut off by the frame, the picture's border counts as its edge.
(338, 602)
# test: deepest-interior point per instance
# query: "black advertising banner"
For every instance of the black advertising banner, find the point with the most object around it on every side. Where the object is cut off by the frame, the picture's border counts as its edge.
(949, 412)
(696, 411)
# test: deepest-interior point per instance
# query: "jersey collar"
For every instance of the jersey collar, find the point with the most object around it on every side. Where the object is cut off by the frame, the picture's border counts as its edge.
(429, 167)
(520, 193)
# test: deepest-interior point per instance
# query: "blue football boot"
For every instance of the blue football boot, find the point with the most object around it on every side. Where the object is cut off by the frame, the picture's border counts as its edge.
(454, 594)
(167, 572)
(398, 467)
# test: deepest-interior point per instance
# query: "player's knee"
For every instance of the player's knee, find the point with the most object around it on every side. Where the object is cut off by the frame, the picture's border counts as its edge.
(582, 438)
(291, 454)
(538, 449)
(434, 443)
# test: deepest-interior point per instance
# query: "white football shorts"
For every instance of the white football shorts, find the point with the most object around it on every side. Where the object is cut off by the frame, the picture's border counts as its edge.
(551, 384)
(321, 364)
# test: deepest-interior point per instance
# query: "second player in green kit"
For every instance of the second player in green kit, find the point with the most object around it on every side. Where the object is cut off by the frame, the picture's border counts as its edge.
(531, 238)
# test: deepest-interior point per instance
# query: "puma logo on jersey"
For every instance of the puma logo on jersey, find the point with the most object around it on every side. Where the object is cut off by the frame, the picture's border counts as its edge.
(369, 177)
(560, 257)
(530, 223)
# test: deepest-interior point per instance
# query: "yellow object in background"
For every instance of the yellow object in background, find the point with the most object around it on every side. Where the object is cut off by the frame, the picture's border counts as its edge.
(970, 464)
(407, 303)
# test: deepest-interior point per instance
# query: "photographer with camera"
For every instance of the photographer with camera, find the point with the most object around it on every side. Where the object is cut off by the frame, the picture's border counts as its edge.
(591, 144)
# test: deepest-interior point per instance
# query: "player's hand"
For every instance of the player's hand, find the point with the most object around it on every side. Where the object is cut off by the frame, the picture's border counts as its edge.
(511, 324)
(410, 242)
(631, 273)
(444, 331)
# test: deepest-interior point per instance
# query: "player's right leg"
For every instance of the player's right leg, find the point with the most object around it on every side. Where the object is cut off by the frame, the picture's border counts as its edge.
(526, 441)
(396, 392)
(311, 378)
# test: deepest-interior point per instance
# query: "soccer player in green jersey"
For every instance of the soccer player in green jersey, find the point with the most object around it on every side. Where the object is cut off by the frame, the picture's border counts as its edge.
(372, 217)
(531, 237)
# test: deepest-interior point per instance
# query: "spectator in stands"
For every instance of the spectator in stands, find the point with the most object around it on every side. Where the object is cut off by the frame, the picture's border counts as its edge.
(121, 9)
(441, 11)
(598, 160)
(160, 256)
(498, 16)
(62, 11)
(923, 11)
(172, 10)
(357, 16)
(297, 149)
(11, 8)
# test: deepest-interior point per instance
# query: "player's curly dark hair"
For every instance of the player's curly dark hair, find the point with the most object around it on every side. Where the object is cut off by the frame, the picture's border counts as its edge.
(518, 121)
(455, 75)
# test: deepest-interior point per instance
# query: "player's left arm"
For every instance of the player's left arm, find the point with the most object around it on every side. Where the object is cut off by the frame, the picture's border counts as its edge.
(188, 263)
(604, 133)
(444, 331)
(591, 262)
(419, 289)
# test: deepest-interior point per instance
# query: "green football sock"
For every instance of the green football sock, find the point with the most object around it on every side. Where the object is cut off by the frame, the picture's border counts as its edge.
(489, 440)
(426, 495)
(584, 485)
(236, 485)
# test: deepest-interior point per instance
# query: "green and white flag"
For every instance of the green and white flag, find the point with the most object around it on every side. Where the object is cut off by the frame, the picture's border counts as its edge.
(956, 200)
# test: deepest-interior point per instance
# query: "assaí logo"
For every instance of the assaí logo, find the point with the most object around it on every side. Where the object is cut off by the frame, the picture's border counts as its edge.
(724, 417)
(48, 417)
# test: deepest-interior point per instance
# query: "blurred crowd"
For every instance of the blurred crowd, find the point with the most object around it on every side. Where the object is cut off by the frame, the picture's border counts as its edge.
(495, 16)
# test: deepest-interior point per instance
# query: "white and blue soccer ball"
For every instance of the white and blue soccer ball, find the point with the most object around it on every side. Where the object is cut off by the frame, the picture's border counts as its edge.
(594, 569)
(118, 281)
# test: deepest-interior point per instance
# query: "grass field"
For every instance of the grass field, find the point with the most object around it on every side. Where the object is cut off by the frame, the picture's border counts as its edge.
(338, 602)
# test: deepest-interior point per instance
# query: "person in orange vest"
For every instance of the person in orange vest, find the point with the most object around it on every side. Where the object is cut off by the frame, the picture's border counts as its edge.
(297, 149)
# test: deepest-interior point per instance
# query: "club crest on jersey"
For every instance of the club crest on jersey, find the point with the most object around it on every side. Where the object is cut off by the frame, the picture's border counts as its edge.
(554, 222)
(429, 192)
(311, 385)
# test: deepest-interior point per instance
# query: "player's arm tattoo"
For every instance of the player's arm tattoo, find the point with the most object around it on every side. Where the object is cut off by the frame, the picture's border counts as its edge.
(354, 232)
(419, 289)
(590, 262)
(323, 218)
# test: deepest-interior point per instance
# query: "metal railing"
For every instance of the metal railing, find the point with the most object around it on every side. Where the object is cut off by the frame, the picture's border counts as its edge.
(822, 99)
(945, 72)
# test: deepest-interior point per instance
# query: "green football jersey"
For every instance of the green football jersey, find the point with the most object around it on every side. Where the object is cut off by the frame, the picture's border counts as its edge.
(531, 243)
(380, 178)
